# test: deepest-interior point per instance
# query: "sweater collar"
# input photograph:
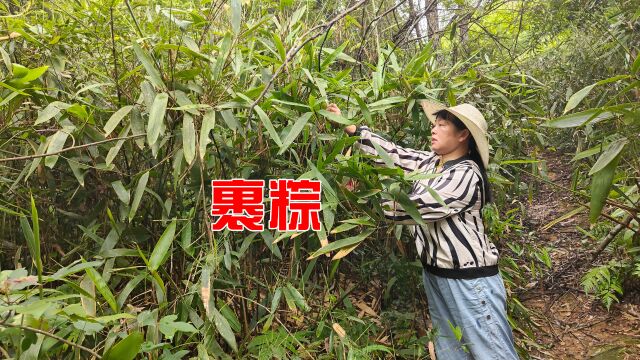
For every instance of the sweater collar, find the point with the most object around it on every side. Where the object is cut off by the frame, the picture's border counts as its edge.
(450, 163)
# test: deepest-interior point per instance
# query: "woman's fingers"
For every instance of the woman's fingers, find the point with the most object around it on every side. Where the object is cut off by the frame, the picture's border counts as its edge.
(333, 108)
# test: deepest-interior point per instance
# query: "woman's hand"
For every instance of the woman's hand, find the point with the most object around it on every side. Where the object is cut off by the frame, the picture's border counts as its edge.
(333, 108)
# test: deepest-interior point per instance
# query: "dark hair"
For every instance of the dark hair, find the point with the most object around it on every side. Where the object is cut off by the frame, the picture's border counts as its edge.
(474, 154)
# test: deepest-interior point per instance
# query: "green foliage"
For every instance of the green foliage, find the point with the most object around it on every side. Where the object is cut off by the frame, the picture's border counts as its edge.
(604, 282)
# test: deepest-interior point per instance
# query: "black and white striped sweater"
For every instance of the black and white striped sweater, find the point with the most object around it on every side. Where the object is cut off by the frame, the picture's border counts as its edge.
(453, 243)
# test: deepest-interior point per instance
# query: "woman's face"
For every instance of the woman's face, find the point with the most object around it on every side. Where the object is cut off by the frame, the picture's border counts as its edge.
(446, 138)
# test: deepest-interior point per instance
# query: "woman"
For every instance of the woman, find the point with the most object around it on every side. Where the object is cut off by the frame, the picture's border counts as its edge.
(464, 288)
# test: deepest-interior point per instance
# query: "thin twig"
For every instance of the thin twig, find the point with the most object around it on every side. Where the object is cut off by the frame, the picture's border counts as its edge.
(28, 157)
(53, 336)
(610, 236)
(370, 24)
(135, 21)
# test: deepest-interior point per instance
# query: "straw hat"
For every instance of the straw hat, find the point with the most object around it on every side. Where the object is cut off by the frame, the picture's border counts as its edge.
(470, 116)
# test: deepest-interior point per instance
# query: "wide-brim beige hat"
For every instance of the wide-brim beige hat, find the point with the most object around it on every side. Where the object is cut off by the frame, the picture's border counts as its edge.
(470, 116)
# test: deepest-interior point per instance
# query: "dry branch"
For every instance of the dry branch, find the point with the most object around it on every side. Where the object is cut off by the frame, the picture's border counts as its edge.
(27, 157)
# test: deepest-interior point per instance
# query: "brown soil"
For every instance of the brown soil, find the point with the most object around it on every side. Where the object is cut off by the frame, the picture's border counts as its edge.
(570, 323)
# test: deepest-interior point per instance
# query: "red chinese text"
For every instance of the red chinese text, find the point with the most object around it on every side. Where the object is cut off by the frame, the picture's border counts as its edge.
(298, 198)
(238, 204)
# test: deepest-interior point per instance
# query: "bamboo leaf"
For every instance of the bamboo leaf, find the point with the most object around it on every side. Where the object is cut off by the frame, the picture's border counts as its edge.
(188, 138)
(56, 143)
(384, 156)
(343, 227)
(162, 247)
(72, 269)
(115, 149)
(137, 126)
(340, 56)
(635, 67)
(579, 118)
(131, 285)
(333, 55)
(88, 299)
(275, 301)
(27, 231)
(36, 238)
(7, 60)
(298, 298)
(295, 131)
(268, 125)
(169, 326)
(611, 153)
(125, 349)
(50, 111)
(149, 66)
(156, 117)
(288, 297)
(600, 186)
(208, 124)
(337, 245)
(269, 241)
(224, 329)
(386, 103)
(236, 15)
(9, 211)
(222, 55)
(115, 119)
(142, 184)
(102, 288)
(577, 98)
(123, 194)
(344, 252)
(409, 206)
(364, 109)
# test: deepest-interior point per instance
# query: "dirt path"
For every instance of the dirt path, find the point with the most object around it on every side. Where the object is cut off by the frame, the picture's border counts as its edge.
(573, 325)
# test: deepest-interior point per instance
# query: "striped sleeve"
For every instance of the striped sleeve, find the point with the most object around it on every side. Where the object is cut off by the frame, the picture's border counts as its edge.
(404, 158)
(458, 189)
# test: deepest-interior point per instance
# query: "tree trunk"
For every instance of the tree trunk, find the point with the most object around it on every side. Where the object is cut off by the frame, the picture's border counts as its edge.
(433, 24)
(413, 15)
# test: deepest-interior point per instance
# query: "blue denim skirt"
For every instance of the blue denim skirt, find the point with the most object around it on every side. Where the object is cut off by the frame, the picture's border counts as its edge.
(469, 317)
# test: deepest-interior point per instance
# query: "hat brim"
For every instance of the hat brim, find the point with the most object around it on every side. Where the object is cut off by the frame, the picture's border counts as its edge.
(430, 107)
